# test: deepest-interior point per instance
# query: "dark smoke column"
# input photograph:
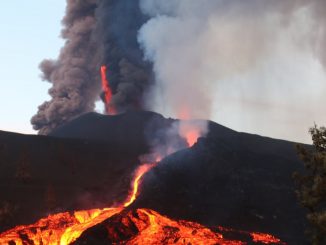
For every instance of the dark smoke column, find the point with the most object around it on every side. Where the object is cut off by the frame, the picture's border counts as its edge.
(74, 75)
(128, 74)
(97, 33)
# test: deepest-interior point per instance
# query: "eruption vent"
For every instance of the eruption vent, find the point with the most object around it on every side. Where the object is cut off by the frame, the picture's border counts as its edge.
(109, 109)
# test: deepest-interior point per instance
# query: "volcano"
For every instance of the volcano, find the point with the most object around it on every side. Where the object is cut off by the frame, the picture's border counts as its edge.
(227, 179)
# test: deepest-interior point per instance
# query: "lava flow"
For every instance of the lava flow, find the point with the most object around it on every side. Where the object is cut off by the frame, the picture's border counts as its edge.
(151, 227)
(156, 229)
(139, 174)
(65, 228)
(141, 226)
(144, 226)
(107, 92)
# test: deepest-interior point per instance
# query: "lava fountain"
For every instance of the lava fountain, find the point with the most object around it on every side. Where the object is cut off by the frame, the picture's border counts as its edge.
(109, 109)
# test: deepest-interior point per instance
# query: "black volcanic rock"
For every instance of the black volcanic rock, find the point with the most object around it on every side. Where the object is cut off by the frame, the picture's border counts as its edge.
(230, 179)
(41, 175)
(129, 131)
(237, 180)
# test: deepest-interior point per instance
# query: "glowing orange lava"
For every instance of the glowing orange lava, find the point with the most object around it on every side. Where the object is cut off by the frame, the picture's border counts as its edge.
(139, 174)
(157, 229)
(256, 237)
(188, 129)
(107, 92)
(65, 228)
(62, 228)
(146, 226)
(192, 137)
(265, 238)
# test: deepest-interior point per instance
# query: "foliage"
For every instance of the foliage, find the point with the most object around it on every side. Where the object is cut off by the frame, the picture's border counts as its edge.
(312, 185)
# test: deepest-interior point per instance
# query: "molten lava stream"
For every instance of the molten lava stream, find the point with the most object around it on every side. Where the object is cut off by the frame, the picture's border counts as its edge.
(188, 129)
(141, 170)
(107, 92)
(265, 238)
(65, 228)
(159, 229)
(62, 228)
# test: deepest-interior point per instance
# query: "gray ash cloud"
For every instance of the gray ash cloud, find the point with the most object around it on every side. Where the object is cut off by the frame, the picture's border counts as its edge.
(129, 75)
(173, 56)
(96, 33)
(74, 73)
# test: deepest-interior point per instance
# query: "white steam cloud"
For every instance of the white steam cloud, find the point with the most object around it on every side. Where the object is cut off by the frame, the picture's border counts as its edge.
(254, 65)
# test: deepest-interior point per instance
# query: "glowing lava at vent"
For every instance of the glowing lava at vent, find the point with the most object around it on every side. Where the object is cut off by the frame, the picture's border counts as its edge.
(162, 230)
(190, 129)
(191, 137)
(107, 92)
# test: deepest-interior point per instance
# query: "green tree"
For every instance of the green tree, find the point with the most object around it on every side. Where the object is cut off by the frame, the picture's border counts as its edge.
(312, 184)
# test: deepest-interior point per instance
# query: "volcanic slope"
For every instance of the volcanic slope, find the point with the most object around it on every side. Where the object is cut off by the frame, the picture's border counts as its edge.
(40, 175)
(239, 180)
(232, 179)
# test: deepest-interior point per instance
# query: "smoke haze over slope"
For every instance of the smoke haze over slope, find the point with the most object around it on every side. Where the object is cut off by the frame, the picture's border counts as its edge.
(256, 66)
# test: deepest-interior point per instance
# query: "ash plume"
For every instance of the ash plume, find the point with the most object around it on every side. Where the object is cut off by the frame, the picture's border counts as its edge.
(229, 60)
(129, 75)
(74, 75)
(250, 62)
(96, 33)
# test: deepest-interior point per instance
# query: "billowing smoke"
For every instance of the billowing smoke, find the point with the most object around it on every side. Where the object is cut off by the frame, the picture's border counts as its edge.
(97, 32)
(254, 65)
(74, 75)
(247, 64)
(129, 75)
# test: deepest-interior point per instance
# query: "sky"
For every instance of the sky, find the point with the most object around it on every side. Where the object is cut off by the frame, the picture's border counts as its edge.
(31, 32)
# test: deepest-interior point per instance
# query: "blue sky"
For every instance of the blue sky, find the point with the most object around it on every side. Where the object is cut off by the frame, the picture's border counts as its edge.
(30, 33)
